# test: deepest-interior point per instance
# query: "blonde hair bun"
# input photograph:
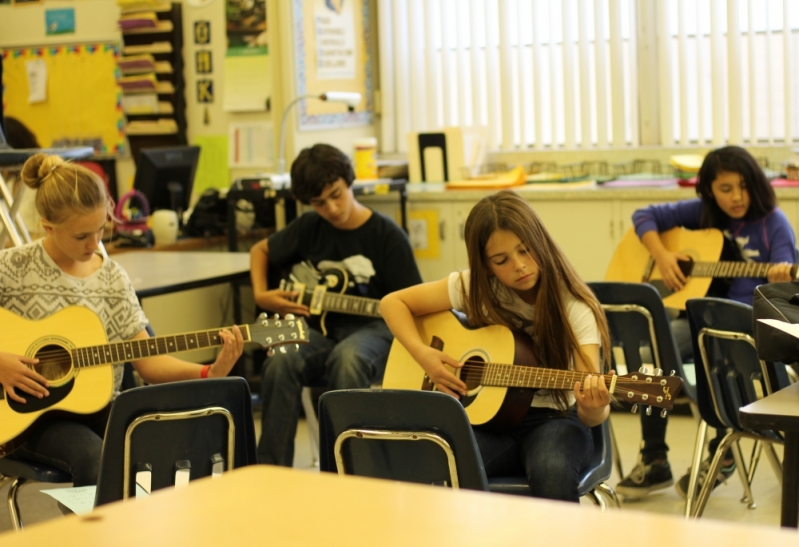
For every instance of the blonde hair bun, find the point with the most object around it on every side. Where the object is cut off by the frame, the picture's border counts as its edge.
(37, 167)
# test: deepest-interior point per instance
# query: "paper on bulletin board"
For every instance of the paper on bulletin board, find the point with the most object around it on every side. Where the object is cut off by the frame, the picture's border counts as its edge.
(213, 170)
(334, 33)
(247, 82)
(37, 80)
(251, 144)
(423, 233)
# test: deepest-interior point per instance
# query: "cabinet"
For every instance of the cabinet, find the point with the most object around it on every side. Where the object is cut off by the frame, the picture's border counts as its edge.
(587, 224)
(152, 80)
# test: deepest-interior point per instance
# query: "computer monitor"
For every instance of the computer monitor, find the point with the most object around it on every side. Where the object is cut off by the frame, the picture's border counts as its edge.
(165, 176)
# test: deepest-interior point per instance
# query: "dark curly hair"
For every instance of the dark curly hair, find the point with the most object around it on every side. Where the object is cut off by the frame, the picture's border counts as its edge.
(315, 168)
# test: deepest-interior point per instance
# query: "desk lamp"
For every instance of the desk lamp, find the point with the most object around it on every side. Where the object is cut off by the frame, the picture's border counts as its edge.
(351, 99)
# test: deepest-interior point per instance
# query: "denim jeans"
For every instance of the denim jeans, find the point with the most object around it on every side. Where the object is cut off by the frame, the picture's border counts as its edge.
(549, 448)
(351, 356)
(71, 446)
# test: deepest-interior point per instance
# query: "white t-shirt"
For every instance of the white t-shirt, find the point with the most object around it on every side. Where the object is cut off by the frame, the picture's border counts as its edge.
(34, 287)
(581, 319)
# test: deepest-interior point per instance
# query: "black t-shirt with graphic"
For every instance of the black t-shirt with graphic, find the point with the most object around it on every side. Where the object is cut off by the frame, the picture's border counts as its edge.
(377, 255)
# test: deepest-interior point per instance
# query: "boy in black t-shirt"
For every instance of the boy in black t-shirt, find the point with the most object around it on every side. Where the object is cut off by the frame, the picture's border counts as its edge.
(339, 235)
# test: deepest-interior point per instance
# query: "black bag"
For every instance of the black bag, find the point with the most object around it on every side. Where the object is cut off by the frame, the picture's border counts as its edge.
(209, 217)
(778, 301)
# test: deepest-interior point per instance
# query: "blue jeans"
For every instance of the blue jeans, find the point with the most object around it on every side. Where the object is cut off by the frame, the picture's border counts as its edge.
(351, 356)
(71, 446)
(549, 448)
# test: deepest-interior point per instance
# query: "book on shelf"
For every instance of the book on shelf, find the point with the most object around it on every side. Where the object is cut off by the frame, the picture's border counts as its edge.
(153, 48)
(141, 103)
(132, 64)
(138, 83)
(159, 26)
(138, 20)
(162, 126)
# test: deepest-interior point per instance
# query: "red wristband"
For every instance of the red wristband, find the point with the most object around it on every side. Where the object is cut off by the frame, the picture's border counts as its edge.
(204, 371)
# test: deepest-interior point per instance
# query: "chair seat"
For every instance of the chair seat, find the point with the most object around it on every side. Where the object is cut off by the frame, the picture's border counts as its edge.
(32, 471)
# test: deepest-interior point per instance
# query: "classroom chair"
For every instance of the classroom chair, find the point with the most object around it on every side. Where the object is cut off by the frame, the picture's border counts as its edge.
(17, 471)
(637, 319)
(164, 435)
(413, 436)
(729, 375)
(592, 477)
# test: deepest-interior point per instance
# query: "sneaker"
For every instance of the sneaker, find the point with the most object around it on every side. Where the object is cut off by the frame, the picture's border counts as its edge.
(724, 473)
(645, 478)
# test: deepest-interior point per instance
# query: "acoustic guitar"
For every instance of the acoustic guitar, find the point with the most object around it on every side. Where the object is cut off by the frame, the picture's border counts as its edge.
(502, 375)
(324, 291)
(632, 263)
(73, 349)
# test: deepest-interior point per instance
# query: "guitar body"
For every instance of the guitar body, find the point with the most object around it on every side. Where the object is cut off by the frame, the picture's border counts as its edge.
(89, 395)
(489, 406)
(632, 262)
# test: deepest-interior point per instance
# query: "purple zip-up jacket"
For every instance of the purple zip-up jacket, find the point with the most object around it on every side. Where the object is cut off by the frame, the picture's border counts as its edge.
(766, 239)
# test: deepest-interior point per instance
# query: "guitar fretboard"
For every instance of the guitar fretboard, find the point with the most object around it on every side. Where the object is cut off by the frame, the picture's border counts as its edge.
(733, 269)
(130, 350)
(502, 375)
(354, 305)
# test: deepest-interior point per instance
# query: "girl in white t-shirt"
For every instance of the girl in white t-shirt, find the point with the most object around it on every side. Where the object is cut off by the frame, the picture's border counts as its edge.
(518, 277)
(65, 269)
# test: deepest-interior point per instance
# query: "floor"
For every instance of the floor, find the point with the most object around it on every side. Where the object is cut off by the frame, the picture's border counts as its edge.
(724, 503)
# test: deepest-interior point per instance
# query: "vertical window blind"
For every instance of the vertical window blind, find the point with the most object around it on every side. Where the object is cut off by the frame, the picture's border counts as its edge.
(590, 74)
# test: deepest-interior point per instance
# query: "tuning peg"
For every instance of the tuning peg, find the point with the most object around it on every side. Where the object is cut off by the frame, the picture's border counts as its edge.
(642, 369)
(276, 316)
(282, 349)
(296, 347)
(282, 284)
(663, 413)
(649, 411)
(289, 316)
(634, 409)
(658, 372)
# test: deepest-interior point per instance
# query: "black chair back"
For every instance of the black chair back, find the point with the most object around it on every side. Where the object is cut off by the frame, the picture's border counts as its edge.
(165, 441)
(729, 374)
(630, 328)
(399, 411)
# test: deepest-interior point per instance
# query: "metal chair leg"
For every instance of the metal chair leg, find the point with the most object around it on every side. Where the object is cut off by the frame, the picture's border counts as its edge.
(313, 424)
(715, 464)
(608, 493)
(13, 508)
(699, 449)
(744, 474)
(616, 451)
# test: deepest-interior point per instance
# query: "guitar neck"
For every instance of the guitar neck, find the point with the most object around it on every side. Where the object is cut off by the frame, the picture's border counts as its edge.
(352, 305)
(734, 269)
(119, 352)
(502, 375)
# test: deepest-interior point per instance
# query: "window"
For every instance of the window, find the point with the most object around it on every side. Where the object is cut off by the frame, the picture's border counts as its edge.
(590, 74)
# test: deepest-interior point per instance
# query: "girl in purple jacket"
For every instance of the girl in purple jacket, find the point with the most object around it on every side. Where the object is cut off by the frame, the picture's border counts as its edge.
(736, 198)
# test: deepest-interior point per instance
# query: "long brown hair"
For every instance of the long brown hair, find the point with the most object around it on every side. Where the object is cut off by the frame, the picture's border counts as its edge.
(555, 341)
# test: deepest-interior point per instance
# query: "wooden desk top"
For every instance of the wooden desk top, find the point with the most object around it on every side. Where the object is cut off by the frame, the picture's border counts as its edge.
(779, 411)
(264, 505)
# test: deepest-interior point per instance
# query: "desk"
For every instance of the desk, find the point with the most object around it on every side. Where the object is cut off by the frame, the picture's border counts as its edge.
(780, 412)
(264, 505)
(164, 272)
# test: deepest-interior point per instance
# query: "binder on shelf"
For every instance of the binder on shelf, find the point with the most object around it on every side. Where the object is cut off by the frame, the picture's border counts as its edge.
(160, 26)
(138, 20)
(163, 126)
(139, 83)
(134, 64)
(153, 48)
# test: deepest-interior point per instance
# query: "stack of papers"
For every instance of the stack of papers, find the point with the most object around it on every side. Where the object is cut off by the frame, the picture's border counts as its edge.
(137, 20)
(134, 64)
(138, 83)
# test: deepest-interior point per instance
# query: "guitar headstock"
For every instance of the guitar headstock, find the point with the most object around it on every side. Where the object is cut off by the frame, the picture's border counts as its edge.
(271, 332)
(640, 388)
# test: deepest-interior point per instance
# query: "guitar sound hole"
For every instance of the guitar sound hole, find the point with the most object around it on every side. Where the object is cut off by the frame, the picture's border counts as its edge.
(54, 362)
(472, 372)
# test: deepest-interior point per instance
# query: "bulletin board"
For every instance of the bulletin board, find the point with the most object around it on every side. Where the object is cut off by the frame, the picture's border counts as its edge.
(314, 77)
(82, 106)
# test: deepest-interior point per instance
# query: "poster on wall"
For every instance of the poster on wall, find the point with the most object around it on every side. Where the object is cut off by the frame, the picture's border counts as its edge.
(332, 43)
(247, 81)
